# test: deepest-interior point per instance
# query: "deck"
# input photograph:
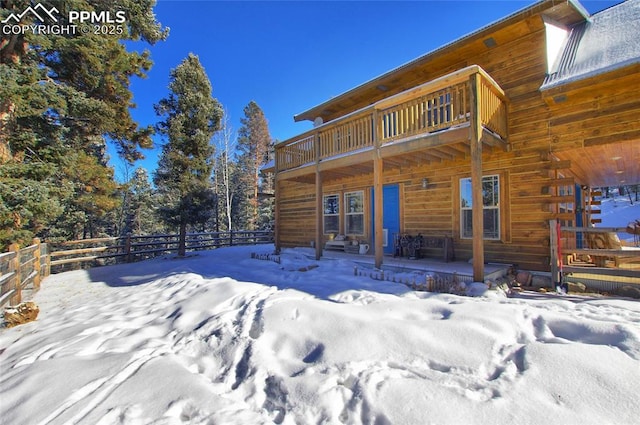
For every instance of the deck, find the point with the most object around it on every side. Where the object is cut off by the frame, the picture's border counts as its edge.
(430, 122)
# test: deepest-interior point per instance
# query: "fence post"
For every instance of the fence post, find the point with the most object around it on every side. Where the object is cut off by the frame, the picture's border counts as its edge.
(127, 248)
(17, 283)
(36, 264)
(47, 256)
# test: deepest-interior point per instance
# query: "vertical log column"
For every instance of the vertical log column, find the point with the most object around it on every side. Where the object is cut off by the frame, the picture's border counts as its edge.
(377, 191)
(276, 212)
(319, 223)
(476, 179)
(554, 255)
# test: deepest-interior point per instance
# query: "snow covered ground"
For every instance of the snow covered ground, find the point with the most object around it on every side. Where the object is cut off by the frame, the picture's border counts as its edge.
(619, 211)
(220, 338)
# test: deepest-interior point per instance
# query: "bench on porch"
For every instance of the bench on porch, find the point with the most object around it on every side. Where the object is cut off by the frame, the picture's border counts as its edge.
(413, 247)
(338, 243)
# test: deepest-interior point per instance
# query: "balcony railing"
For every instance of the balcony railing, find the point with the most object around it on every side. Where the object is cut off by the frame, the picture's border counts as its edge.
(429, 108)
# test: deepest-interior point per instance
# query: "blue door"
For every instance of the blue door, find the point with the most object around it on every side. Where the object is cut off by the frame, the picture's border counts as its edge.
(390, 216)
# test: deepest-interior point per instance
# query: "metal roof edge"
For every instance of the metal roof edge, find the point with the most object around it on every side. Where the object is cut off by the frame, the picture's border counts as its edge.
(591, 74)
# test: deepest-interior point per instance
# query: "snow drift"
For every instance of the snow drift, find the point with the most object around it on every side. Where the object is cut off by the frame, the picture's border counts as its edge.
(223, 338)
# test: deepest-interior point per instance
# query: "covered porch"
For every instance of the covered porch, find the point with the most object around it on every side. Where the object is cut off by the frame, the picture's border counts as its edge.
(580, 245)
(463, 269)
(452, 118)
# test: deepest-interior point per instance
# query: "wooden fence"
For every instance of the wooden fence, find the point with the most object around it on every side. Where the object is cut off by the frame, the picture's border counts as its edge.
(22, 268)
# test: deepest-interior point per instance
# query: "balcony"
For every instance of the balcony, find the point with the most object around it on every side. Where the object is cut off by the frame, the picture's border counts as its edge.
(431, 122)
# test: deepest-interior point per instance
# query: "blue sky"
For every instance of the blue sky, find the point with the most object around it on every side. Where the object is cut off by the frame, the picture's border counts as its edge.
(289, 56)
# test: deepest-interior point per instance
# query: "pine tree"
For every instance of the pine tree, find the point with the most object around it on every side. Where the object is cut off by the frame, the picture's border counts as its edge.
(31, 199)
(191, 117)
(267, 194)
(60, 96)
(254, 142)
(141, 204)
(79, 82)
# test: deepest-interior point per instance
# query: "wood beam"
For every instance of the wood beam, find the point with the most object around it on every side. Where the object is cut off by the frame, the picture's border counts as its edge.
(424, 141)
(491, 139)
(378, 168)
(476, 180)
(276, 213)
(319, 223)
(378, 208)
(345, 160)
(319, 209)
(298, 174)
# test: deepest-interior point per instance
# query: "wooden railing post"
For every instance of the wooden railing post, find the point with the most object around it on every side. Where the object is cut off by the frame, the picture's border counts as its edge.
(36, 264)
(127, 248)
(17, 276)
(47, 259)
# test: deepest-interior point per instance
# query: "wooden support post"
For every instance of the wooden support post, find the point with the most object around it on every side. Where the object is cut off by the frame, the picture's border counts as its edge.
(14, 266)
(319, 209)
(377, 205)
(276, 216)
(36, 264)
(554, 255)
(377, 192)
(476, 180)
(319, 221)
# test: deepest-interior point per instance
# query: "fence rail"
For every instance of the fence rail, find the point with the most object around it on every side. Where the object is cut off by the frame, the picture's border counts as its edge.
(24, 268)
(135, 248)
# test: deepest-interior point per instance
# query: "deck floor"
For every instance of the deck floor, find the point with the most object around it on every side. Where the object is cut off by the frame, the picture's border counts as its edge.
(491, 270)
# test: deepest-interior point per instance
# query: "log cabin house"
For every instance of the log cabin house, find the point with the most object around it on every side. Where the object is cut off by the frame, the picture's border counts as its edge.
(524, 117)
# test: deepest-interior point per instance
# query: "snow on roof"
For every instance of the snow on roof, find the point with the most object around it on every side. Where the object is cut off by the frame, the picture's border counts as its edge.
(606, 42)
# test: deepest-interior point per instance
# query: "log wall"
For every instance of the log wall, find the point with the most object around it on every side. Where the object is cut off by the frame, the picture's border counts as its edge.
(606, 111)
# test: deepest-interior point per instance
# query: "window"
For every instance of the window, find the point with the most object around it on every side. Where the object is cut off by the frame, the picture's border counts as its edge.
(331, 209)
(354, 213)
(491, 207)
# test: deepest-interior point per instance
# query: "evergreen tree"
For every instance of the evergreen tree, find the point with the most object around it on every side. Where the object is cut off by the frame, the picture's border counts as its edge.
(267, 195)
(254, 142)
(61, 94)
(79, 82)
(191, 117)
(140, 212)
(31, 199)
(94, 194)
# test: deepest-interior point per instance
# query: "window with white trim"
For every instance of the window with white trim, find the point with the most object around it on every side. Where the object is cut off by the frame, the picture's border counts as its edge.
(354, 213)
(331, 211)
(490, 207)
